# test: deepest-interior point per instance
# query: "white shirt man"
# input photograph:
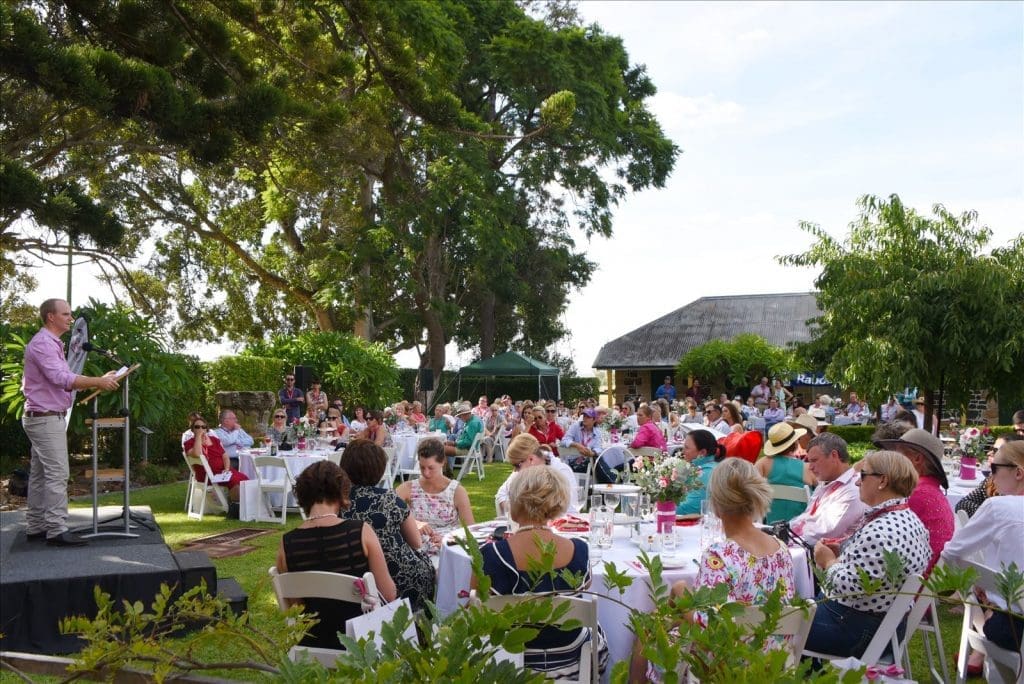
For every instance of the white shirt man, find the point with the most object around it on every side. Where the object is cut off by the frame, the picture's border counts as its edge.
(835, 505)
(231, 435)
(761, 393)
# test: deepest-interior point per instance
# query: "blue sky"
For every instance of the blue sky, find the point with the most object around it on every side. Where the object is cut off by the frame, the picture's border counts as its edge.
(788, 112)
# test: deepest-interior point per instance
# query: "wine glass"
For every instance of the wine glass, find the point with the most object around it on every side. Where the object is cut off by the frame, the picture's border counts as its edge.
(266, 441)
(645, 509)
(611, 500)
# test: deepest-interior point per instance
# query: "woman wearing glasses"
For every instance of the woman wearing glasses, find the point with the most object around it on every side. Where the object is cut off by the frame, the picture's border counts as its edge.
(847, 620)
(205, 443)
(997, 528)
(278, 426)
(545, 429)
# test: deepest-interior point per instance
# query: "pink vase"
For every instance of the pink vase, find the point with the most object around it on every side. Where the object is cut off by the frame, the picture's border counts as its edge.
(665, 515)
(968, 468)
(302, 443)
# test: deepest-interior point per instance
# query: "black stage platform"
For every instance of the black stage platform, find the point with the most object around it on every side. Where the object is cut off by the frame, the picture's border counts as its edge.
(41, 584)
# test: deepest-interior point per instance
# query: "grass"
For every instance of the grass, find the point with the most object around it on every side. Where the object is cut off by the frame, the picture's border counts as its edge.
(250, 570)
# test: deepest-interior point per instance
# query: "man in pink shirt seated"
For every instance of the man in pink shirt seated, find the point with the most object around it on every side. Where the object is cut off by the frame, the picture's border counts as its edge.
(924, 450)
(649, 434)
(835, 505)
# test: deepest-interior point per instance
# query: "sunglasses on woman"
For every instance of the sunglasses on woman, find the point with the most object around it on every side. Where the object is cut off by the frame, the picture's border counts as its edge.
(199, 426)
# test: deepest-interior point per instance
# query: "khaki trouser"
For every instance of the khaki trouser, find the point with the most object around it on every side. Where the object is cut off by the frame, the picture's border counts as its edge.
(48, 479)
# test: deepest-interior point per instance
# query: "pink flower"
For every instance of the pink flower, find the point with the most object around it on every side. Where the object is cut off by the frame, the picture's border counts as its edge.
(663, 482)
(463, 593)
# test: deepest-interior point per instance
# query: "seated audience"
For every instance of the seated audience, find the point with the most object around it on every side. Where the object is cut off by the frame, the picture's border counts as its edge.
(232, 436)
(848, 618)
(733, 418)
(278, 428)
(494, 429)
(835, 505)
(987, 488)
(773, 414)
(889, 409)
(439, 503)
(538, 496)
(312, 417)
(749, 561)
(439, 423)
(780, 466)
(584, 437)
(375, 431)
(702, 450)
(364, 462)
(328, 543)
(358, 422)
(187, 434)
(472, 426)
(924, 451)
(997, 529)
(810, 427)
(205, 443)
(523, 452)
(416, 414)
(544, 427)
(648, 434)
(332, 427)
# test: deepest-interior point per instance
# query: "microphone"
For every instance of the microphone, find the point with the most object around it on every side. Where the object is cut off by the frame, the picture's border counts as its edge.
(90, 347)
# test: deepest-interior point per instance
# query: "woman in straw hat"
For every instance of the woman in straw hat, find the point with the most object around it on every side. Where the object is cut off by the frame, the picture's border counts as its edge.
(781, 466)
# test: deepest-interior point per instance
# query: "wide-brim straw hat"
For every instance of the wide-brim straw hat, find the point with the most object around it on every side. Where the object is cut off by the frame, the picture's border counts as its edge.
(464, 407)
(919, 400)
(781, 437)
(924, 443)
(806, 421)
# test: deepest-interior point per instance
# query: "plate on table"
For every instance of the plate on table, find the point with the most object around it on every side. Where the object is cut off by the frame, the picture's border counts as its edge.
(623, 519)
(673, 562)
(614, 489)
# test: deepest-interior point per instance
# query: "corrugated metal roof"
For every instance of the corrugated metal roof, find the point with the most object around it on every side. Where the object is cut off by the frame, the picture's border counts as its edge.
(779, 318)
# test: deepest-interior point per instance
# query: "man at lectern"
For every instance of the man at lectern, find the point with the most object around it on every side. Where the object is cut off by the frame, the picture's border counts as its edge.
(47, 383)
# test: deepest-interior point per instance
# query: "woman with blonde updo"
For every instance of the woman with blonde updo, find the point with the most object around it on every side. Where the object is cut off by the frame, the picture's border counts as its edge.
(538, 496)
(522, 453)
(751, 562)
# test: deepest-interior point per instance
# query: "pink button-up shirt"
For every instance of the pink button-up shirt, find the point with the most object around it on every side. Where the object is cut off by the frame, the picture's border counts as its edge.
(47, 381)
(931, 506)
(649, 435)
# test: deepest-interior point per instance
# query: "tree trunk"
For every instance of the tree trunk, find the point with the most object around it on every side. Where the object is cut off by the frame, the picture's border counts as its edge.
(364, 327)
(488, 326)
(929, 408)
(431, 288)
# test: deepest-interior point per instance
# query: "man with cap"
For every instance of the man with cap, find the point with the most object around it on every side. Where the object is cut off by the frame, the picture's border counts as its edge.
(835, 505)
(924, 451)
(473, 427)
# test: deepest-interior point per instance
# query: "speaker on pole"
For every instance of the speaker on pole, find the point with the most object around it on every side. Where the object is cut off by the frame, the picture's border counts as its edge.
(303, 377)
(426, 381)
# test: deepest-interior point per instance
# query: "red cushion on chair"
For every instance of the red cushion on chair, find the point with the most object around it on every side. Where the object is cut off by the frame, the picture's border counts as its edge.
(746, 446)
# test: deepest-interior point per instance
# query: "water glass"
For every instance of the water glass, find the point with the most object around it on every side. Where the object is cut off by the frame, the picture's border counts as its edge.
(596, 501)
(644, 509)
(668, 542)
(602, 527)
(611, 501)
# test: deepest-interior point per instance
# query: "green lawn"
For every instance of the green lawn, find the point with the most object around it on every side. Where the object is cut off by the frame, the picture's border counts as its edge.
(167, 504)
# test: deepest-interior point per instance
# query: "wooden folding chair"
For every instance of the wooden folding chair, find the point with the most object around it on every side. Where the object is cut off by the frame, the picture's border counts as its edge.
(1001, 665)
(200, 491)
(292, 587)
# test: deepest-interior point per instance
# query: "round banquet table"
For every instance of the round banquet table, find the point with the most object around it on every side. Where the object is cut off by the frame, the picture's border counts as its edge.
(454, 572)
(294, 462)
(958, 489)
(405, 444)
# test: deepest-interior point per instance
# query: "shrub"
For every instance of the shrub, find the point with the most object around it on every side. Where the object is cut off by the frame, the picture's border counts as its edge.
(246, 373)
(156, 474)
(853, 433)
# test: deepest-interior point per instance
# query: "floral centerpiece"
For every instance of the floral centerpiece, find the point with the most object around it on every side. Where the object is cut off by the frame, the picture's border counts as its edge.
(613, 422)
(665, 479)
(974, 442)
(302, 430)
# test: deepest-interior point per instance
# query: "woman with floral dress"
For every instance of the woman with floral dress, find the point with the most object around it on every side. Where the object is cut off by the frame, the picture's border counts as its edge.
(749, 561)
(410, 568)
(439, 503)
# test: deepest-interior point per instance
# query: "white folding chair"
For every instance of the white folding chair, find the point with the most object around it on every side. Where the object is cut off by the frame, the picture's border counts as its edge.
(472, 460)
(335, 456)
(191, 482)
(886, 634)
(279, 483)
(291, 587)
(500, 446)
(1001, 665)
(581, 608)
(923, 619)
(960, 519)
(200, 491)
(387, 480)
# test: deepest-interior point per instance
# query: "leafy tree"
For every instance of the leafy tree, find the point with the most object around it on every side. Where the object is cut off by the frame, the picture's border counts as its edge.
(436, 143)
(912, 300)
(358, 371)
(735, 364)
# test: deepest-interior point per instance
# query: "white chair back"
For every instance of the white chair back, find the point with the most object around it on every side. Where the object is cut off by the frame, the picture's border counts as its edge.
(199, 492)
(791, 493)
(273, 482)
(473, 460)
(1001, 665)
(795, 623)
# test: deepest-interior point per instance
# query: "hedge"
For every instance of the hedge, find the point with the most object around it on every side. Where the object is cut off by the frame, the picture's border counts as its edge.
(853, 433)
(246, 374)
(447, 387)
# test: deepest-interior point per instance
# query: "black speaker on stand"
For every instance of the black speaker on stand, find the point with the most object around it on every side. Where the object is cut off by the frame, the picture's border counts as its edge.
(303, 377)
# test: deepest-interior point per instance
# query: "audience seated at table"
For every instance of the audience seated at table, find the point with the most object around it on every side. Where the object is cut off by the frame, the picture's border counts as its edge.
(544, 427)
(523, 452)
(358, 422)
(364, 462)
(438, 503)
(328, 543)
(835, 505)
(997, 529)
(924, 452)
(971, 502)
(206, 443)
(470, 428)
(375, 430)
(733, 417)
(416, 414)
(538, 496)
(780, 466)
(773, 414)
(713, 418)
(583, 436)
(648, 434)
(332, 427)
(232, 436)
(312, 416)
(847, 619)
(751, 562)
(702, 450)
(278, 427)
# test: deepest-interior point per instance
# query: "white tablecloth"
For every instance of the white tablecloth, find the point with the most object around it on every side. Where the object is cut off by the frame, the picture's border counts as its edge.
(295, 462)
(958, 489)
(405, 444)
(454, 573)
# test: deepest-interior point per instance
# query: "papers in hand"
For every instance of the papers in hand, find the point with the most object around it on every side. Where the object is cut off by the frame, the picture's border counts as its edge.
(121, 372)
(220, 478)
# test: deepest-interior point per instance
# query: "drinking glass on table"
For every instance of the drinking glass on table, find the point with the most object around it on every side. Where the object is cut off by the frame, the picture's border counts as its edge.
(605, 527)
(266, 441)
(668, 542)
(596, 501)
(611, 500)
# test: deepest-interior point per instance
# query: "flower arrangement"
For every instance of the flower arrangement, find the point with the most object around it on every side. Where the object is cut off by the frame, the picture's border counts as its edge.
(974, 442)
(613, 421)
(302, 430)
(665, 479)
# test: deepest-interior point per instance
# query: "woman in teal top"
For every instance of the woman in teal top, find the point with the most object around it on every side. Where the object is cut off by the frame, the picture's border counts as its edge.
(780, 466)
(702, 450)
